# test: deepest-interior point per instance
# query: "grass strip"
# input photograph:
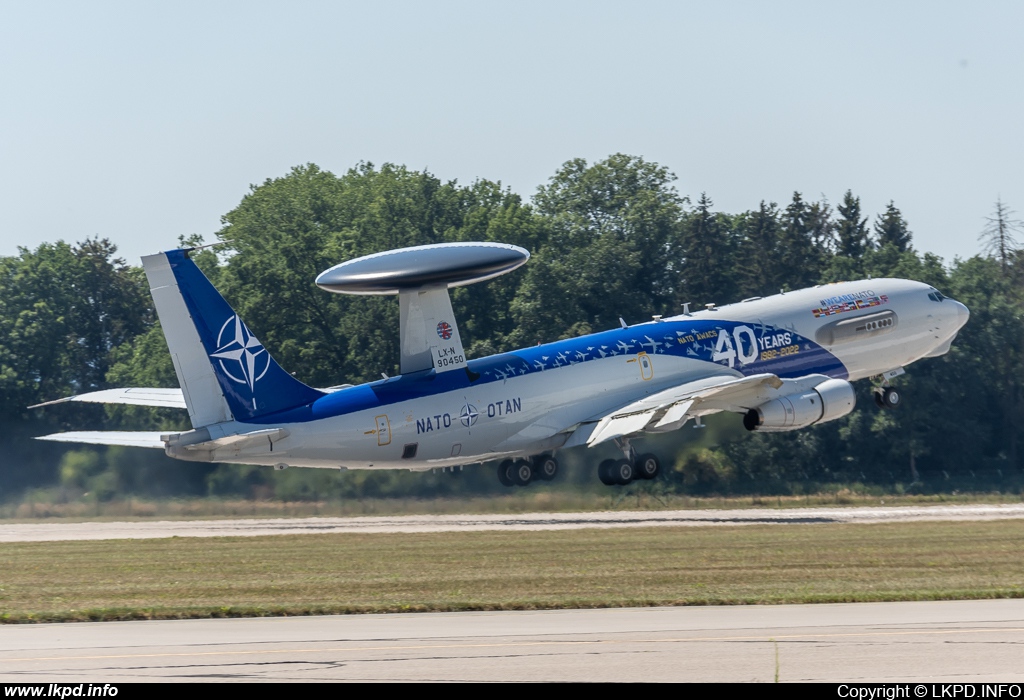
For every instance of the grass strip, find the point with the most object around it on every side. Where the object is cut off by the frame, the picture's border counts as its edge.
(560, 498)
(374, 573)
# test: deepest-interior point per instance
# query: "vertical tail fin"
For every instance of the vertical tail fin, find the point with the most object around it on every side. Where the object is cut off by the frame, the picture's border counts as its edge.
(224, 371)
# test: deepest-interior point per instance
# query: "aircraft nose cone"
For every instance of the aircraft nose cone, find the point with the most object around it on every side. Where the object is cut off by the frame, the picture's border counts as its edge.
(962, 313)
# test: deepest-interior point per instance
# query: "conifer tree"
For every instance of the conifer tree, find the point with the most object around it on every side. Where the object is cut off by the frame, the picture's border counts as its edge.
(706, 245)
(761, 271)
(891, 228)
(851, 230)
(799, 256)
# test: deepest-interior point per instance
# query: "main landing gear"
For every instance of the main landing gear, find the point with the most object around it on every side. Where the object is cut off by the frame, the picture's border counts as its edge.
(521, 472)
(619, 472)
(886, 396)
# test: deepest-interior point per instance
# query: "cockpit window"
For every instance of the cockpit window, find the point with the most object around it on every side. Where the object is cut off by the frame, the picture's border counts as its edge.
(936, 296)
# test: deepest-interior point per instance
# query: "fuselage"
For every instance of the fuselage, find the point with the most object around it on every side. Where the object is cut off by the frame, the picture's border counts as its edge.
(527, 401)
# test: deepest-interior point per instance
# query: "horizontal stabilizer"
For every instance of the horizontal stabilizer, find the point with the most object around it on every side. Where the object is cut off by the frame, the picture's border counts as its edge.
(158, 398)
(194, 441)
(104, 437)
(153, 397)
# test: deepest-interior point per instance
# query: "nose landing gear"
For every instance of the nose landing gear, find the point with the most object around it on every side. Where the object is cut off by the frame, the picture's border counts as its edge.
(886, 396)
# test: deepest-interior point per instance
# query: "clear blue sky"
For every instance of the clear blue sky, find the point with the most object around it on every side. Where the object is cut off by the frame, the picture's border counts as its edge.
(144, 121)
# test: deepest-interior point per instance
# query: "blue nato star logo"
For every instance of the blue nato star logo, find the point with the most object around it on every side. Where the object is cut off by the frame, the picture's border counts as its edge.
(468, 415)
(242, 357)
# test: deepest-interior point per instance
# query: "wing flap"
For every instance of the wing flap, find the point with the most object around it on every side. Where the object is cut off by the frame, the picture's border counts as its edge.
(676, 413)
(707, 395)
(612, 427)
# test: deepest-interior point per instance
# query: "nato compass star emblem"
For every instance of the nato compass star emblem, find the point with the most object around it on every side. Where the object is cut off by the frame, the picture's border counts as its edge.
(469, 415)
(242, 357)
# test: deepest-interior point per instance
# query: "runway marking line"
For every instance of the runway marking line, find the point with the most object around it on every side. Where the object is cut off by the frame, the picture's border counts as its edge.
(677, 640)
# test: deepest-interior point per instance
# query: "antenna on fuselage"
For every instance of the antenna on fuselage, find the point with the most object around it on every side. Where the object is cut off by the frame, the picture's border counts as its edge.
(421, 277)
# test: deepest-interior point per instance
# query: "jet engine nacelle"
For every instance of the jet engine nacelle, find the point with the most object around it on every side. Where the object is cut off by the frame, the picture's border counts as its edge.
(831, 399)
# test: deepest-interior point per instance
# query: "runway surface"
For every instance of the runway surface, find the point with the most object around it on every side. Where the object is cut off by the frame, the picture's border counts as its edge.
(934, 642)
(43, 532)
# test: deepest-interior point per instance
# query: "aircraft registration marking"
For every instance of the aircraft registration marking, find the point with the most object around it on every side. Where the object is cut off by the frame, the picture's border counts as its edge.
(448, 356)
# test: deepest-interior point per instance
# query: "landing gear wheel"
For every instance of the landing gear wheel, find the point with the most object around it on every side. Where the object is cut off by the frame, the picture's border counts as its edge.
(505, 473)
(624, 472)
(647, 466)
(605, 472)
(887, 397)
(545, 467)
(522, 472)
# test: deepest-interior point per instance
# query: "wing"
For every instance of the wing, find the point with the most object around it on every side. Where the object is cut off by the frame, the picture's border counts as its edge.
(671, 408)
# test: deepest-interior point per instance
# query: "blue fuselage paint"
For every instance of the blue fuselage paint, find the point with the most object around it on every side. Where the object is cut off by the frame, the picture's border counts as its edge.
(690, 339)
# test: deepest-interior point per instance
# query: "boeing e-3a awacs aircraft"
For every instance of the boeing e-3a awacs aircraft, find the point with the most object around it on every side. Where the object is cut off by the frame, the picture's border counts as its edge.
(784, 362)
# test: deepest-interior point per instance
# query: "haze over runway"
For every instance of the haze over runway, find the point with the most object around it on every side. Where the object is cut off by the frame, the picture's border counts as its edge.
(145, 122)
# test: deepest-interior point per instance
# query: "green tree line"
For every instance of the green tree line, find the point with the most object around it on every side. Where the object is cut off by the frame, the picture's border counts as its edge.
(608, 239)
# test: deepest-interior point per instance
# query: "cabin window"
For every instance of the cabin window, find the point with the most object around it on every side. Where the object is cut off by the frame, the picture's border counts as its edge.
(409, 451)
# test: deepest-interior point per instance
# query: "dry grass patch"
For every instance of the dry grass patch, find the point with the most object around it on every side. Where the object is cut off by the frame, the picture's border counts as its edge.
(346, 573)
